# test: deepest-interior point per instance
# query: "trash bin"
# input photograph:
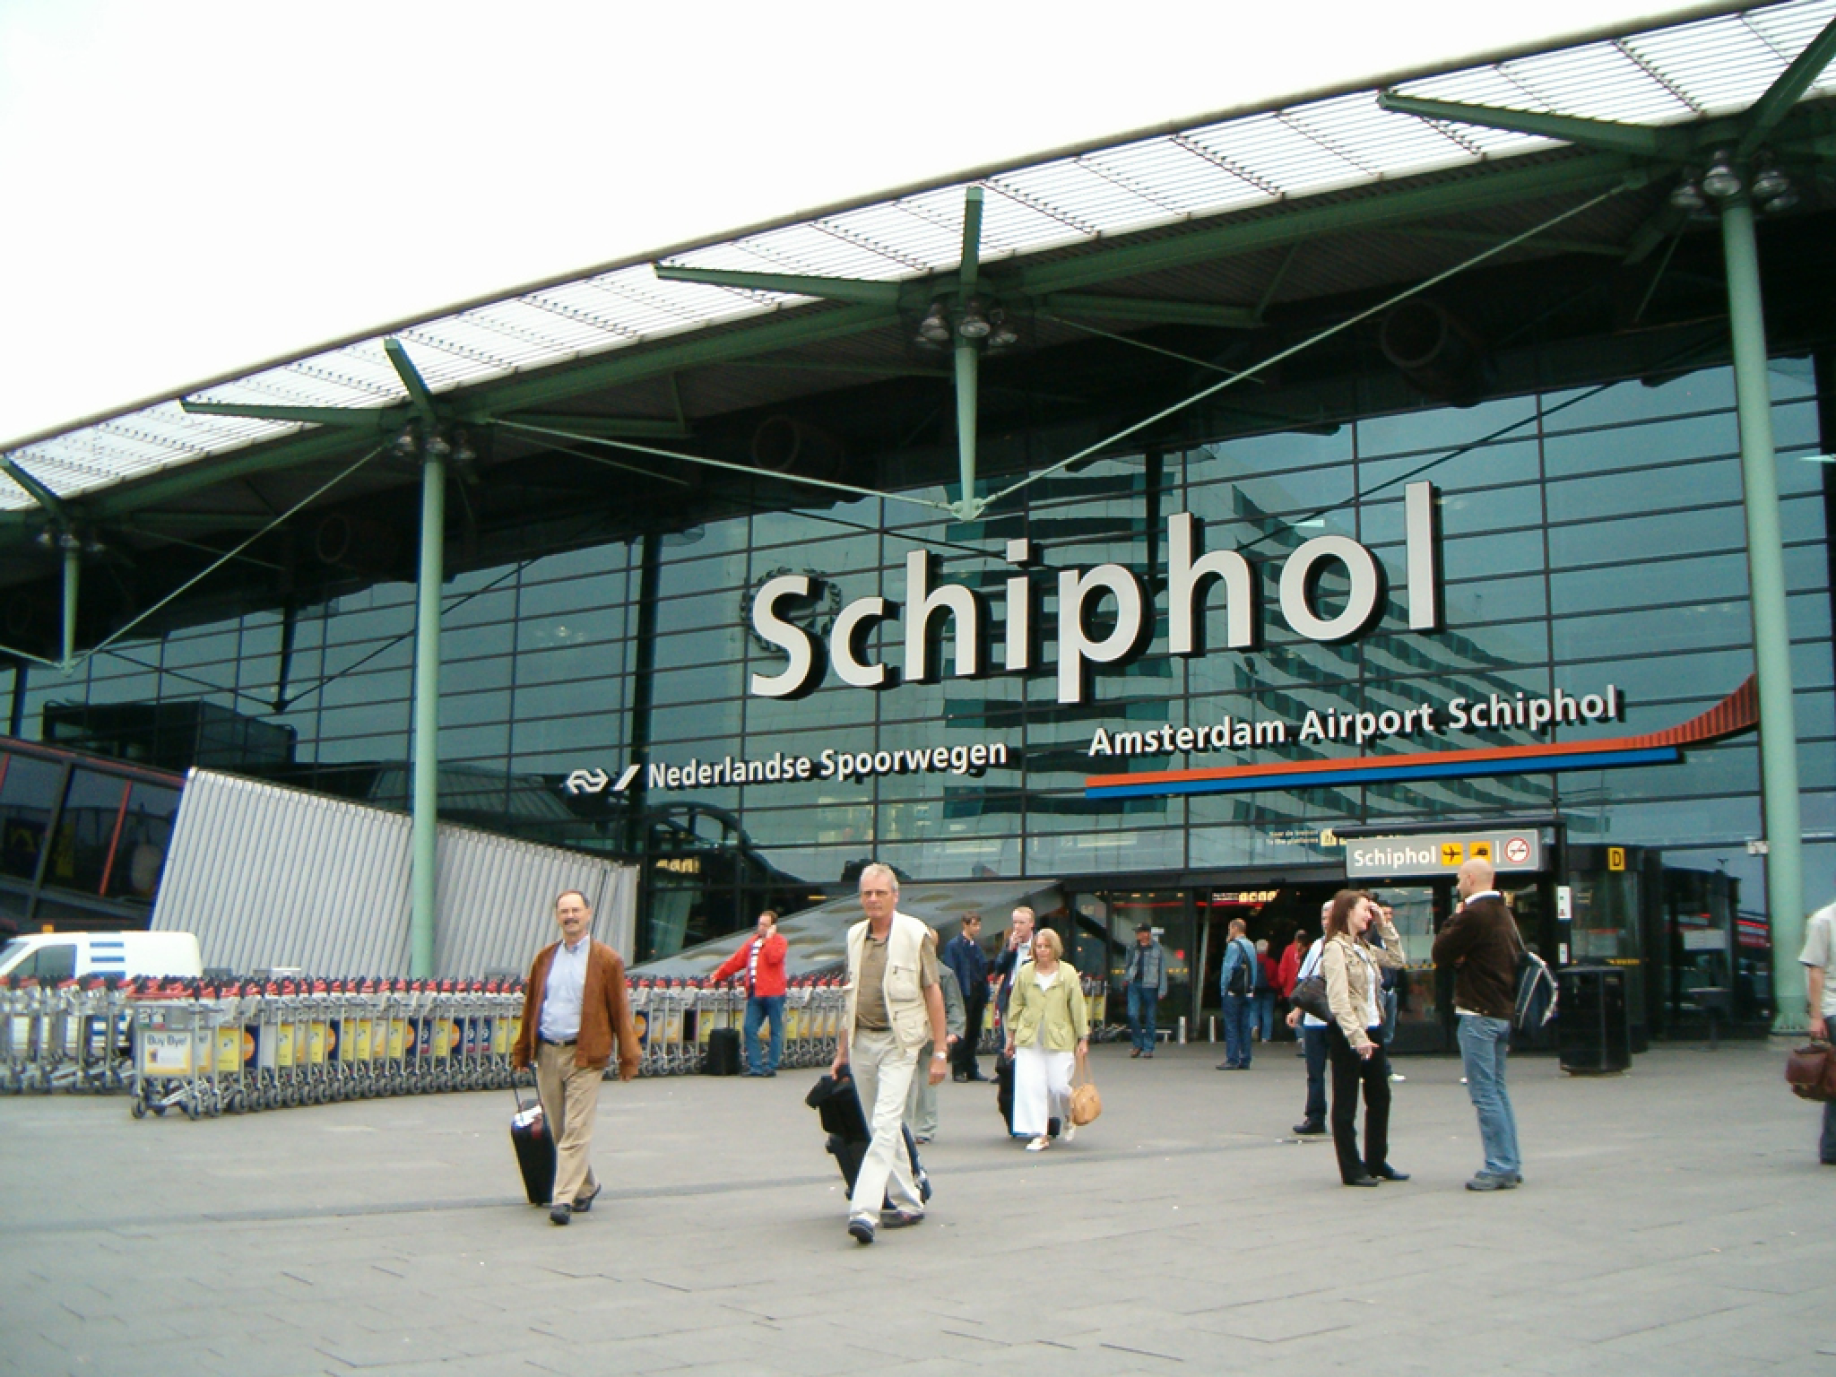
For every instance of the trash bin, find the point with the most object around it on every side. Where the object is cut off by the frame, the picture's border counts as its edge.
(1593, 1026)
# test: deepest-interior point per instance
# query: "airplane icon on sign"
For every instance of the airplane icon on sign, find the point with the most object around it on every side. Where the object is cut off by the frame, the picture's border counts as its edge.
(1452, 853)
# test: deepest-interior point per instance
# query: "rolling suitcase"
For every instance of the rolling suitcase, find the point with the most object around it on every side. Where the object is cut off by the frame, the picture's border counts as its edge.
(839, 1108)
(535, 1149)
(723, 1053)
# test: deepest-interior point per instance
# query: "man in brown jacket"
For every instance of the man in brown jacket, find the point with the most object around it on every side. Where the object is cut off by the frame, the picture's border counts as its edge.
(1481, 943)
(574, 1006)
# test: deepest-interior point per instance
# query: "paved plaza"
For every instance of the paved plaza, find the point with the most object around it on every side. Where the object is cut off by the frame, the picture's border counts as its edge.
(1674, 1221)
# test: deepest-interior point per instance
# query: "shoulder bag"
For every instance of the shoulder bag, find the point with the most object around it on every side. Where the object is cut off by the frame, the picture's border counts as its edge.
(1310, 998)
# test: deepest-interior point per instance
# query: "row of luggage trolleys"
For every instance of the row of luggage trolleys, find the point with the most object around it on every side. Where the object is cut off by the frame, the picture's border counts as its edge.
(675, 1019)
(278, 1045)
(203, 1049)
(67, 1036)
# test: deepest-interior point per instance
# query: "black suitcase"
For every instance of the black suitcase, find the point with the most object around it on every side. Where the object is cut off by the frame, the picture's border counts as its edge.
(838, 1107)
(535, 1149)
(723, 1057)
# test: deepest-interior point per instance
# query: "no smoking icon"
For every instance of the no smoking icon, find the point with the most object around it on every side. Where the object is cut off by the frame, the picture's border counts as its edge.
(1517, 850)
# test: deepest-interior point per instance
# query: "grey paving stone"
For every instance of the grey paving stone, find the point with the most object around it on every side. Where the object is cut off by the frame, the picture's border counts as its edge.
(370, 1228)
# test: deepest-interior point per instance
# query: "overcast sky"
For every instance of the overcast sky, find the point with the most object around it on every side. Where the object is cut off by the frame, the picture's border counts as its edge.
(194, 187)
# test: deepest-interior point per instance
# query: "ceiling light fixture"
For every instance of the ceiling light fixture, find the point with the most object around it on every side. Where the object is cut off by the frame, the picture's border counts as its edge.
(1002, 335)
(974, 322)
(1686, 195)
(935, 327)
(1722, 179)
(1769, 182)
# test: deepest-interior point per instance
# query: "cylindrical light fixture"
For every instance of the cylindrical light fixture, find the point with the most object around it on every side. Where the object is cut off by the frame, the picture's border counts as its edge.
(1722, 179)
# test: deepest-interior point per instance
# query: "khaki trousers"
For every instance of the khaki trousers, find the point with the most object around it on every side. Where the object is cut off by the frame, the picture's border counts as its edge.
(570, 1099)
(882, 1076)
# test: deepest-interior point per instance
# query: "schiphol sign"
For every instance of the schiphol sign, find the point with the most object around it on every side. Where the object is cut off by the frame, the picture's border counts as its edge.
(928, 604)
(1523, 711)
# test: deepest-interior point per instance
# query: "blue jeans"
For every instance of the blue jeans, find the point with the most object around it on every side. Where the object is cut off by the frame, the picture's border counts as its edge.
(1236, 1029)
(1143, 1009)
(1265, 1014)
(1827, 1149)
(758, 1009)
(1313, 1047)
(1484, 1045)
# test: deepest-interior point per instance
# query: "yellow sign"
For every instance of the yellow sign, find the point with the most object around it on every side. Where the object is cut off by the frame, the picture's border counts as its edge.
(1452, 853)
(1616, 858)
(1482, 851)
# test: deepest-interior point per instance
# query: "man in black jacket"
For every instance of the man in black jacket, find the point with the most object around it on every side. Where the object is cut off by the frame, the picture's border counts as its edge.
(964, 956)
(1480, 941)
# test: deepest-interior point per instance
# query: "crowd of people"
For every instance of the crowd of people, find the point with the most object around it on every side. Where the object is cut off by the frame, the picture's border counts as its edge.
(909, 1012)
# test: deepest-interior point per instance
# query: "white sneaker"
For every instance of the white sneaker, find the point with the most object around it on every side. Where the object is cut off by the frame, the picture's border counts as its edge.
(1398, 1076)
(1069, 1132)
(1039, 1144)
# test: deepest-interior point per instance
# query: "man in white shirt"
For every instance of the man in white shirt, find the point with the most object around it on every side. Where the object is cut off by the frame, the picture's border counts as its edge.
(1312, 1033)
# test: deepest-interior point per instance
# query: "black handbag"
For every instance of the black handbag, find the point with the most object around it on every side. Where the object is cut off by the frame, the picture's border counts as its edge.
(1310, 998)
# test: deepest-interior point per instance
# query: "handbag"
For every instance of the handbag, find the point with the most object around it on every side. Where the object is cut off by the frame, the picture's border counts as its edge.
(1810, 1071)
(1310, 998)
(1086, 1103)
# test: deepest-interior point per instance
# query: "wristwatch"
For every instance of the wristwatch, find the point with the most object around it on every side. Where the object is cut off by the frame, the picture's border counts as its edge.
(940, 1056)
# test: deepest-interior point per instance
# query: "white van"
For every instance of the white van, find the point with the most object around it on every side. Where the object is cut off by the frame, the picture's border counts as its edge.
(52, 956)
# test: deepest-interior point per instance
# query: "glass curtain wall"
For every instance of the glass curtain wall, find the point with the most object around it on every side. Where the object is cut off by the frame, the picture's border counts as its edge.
(1590, 537)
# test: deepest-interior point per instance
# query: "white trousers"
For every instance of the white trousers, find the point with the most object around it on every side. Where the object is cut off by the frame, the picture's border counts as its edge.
(882, 1077)
(1042, 1088)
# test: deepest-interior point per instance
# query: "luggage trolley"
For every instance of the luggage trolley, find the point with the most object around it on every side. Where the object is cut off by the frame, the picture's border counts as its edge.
(175, 1054)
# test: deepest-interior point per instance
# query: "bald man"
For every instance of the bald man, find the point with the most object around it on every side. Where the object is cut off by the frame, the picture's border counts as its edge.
(1481, 943)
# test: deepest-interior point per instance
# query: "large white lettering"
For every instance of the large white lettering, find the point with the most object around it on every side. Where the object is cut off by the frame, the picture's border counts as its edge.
(931, 607)
(798, 644)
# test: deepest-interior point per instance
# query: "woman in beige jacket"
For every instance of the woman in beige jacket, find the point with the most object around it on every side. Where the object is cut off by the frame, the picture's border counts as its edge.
(1354, 988)
(1048, 1028)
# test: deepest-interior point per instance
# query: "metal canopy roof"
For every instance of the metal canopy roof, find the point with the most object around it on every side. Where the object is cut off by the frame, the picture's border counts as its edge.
(1227, 168)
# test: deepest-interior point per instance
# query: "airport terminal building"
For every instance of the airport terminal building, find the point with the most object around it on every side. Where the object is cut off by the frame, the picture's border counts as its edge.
(1174, 529)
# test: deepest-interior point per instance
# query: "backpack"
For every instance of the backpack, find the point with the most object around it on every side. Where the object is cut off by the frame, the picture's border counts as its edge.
(1243, 974)
(1536, 992)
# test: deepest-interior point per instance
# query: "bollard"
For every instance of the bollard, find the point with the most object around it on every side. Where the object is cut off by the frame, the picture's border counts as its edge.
(1182, 1030)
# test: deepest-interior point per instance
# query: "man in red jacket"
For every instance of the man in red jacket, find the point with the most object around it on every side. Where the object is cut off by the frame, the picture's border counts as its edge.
(763, 957)
(574, 1008)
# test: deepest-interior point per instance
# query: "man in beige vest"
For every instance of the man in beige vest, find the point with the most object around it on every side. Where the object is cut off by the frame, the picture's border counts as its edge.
(894, 1007)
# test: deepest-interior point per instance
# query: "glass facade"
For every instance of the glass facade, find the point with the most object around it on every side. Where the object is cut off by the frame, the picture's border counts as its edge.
(1589, 537)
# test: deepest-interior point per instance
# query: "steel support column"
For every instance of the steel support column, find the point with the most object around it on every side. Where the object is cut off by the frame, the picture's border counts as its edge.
(1771, 631)
(968, 361)
(425, 802)
(73, 574)
(967, 410)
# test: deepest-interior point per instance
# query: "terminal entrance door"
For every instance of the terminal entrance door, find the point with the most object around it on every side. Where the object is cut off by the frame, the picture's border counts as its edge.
(1169, 914)
(1272, 913)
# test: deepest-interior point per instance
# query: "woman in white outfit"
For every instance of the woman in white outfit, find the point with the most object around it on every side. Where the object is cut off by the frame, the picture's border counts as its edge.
(1048, 1029)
